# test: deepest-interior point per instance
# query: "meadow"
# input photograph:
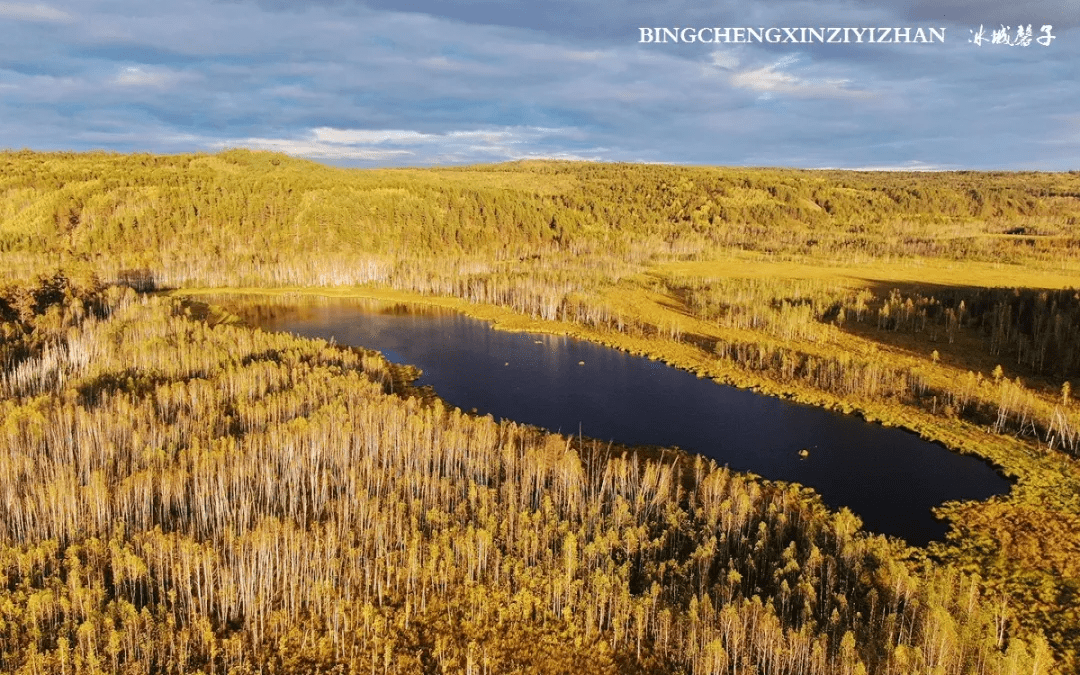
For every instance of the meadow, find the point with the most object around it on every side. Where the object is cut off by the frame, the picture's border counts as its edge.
(183, 493)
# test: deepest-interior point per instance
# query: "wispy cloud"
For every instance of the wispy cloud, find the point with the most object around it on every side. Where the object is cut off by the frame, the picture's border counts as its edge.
(363, 136)
(371, 145)
(913, 165)
(311, 149)
(159, 78)
(724, 60)
(772, 79)
(18, 11)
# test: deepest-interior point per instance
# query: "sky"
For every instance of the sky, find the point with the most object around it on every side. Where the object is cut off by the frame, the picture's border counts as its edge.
(440, 82)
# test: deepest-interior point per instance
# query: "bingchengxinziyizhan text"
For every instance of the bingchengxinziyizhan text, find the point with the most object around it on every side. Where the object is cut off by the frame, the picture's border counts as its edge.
(841, 35)
(799, 35)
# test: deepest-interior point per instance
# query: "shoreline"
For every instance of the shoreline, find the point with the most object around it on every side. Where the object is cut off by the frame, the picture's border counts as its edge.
(1009, 458)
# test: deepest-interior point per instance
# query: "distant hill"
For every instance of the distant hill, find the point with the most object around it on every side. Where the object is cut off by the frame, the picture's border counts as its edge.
(258, 218)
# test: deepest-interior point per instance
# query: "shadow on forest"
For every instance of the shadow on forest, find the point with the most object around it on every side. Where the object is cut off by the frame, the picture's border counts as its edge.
(134, 381)
(1032, 333)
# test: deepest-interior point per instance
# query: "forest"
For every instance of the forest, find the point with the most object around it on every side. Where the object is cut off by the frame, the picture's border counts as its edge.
(183, 493)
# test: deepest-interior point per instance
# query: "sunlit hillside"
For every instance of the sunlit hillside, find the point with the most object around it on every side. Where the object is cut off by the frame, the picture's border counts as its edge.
(258, 218)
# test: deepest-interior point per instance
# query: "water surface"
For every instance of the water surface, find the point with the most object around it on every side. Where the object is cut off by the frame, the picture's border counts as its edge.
(889, 477)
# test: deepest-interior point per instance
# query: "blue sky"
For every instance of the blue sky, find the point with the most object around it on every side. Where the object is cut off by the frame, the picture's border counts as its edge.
(428, 82)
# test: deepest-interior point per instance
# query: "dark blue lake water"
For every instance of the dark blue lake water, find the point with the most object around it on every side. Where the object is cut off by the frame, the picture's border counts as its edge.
(889, 477)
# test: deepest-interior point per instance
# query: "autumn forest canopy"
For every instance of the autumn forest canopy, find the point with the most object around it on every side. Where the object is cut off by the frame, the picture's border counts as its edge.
(182, 493)
(259, 218)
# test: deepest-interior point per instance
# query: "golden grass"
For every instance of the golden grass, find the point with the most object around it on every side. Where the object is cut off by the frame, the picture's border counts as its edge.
(920, 272)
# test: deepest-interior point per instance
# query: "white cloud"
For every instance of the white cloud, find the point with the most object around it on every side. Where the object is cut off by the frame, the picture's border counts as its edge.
(360, 136)
(442, 63)
(771, 80)
(566, 156)
(310, 149)
(578, 55)
(789, 60)
(508, 135)
(36, 12)
(508, 143)
(913, 165)
(725, 60)
(160, 78)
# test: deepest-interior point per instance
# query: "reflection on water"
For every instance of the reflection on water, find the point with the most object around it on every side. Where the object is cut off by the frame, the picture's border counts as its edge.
(890, 478)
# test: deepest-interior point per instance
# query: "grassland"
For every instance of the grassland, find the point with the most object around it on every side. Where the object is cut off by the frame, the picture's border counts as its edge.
(937, 302)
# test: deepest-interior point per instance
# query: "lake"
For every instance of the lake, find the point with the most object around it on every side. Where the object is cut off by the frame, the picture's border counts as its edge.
(891, 478)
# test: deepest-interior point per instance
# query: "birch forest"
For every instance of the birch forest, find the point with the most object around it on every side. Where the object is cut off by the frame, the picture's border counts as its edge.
(183, 494)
